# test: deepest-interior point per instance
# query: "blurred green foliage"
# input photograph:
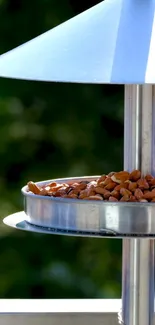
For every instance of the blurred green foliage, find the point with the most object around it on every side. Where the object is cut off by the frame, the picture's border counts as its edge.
(52, 130)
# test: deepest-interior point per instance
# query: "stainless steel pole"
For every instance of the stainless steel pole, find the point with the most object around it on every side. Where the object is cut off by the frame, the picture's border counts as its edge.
(138, 254)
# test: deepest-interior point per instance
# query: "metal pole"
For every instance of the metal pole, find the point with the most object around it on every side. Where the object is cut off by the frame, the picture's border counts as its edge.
(138, 254)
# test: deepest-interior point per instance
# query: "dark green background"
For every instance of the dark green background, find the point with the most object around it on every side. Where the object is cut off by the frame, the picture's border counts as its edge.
(52, 130)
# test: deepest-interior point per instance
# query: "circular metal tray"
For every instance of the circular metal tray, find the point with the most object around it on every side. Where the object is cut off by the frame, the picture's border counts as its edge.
(18, 221)
(116, 218)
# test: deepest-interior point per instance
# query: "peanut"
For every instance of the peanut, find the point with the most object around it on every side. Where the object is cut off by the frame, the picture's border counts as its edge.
(125, 192)
(152, 182)
(125, 198)
(107, 181)
(115, 194)
(95, 197)
(120, 177)
(110, 186)
(132, 199)
(116, 186)
(106, 194)
(52, 184)
(33, 188)
(122, 185)
(43, 192)
(111, 174)
(148, 177)
(101, 179)
(100, 190)
(71, 196)
(135, 175)
(138, 194)
(149, 195)
(61, 192)
(113, 199)
(132, 186)
(143, 184)
(83, 194)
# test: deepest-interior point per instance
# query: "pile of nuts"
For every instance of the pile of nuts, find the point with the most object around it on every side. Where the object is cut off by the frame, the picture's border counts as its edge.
(119, 186)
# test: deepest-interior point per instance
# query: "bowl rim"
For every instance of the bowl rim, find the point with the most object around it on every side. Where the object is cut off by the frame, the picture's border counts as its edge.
(75, 201)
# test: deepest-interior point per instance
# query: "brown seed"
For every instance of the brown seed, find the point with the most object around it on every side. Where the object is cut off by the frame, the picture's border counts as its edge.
(90, 187)
(113, 199)
(61, 192)
(99, 190)
(143, 184)
(71, 196)
(101, 179)
(122, 185)
(152, 182)
(83, 194)
(79, 187)
(92, 192)
(135, 175)
(125, 192)
(115, 194)
(111, 174)
(149, 195)
(43, 192)
(101, 184)
(110, 186)
(96, 197)
(127, 183)
(125, 198)
(132, 199)
(120, 177)
(148, 177)
(107, 181)
(106, 194)
(132, 186)
(55, 188)
(52, 184)
(33, 188)
(74, 191)
(138, 194)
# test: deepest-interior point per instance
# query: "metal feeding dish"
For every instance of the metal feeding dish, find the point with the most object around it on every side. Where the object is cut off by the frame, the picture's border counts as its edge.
(97, 217)
(113, 42)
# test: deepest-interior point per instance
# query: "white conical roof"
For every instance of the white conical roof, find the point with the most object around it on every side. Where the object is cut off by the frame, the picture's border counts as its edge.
(113, 42)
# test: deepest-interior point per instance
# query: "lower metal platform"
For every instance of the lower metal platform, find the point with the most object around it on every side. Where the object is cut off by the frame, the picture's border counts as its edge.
(19, 221)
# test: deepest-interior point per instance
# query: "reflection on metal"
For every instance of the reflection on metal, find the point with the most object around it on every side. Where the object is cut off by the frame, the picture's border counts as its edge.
(138, 254)
(106, 44)
(52, 312)
(89, 216)
(56, 312)
(59, 319)
(19, 221)
(53, 306)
